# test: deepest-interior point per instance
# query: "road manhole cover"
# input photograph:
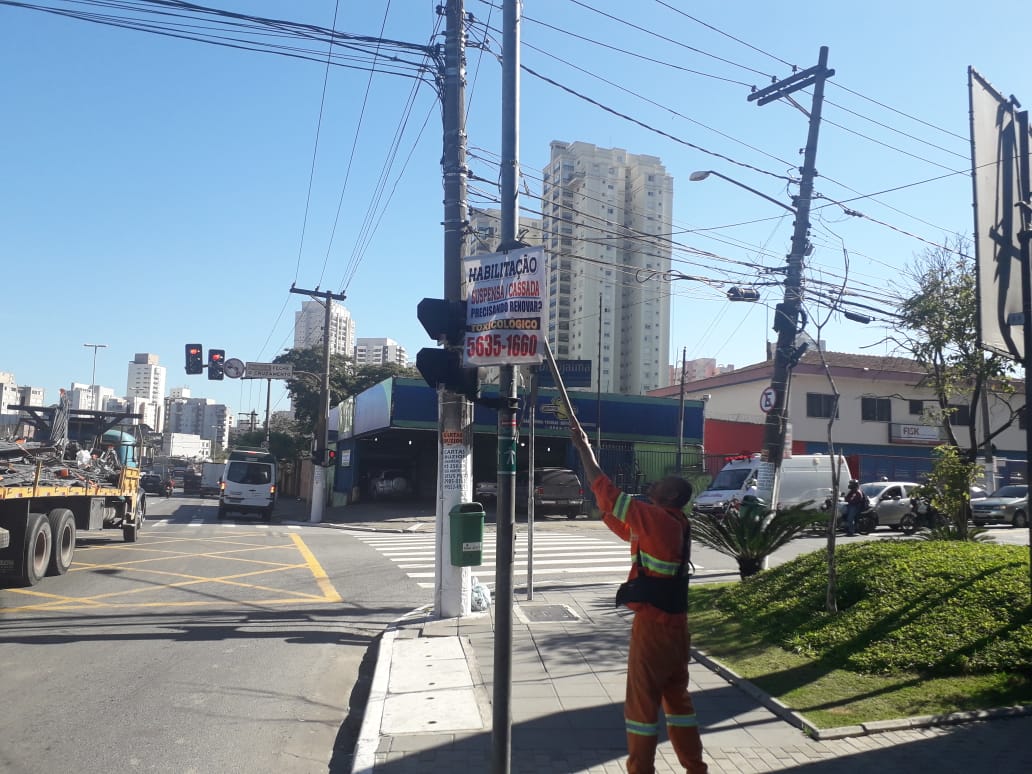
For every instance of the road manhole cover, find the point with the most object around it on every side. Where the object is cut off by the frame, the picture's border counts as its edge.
(547, 614)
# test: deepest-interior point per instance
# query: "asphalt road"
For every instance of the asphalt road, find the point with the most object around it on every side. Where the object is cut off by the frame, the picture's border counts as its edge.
(204, 647)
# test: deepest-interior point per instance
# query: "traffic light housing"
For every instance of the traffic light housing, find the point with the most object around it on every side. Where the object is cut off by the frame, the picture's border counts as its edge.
(216, 361)
(443, 320)
(317, 456)
(331, 458)
(194, 359)
(443, 368)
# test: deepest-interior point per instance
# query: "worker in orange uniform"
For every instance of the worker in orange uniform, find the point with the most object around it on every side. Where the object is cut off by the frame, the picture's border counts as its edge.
(657, 592)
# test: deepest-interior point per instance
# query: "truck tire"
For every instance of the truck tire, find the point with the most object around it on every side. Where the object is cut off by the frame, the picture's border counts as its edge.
(36, 548)
(62, 532)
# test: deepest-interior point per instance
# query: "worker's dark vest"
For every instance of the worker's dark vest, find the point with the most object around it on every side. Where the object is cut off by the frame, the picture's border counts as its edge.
(667, 594)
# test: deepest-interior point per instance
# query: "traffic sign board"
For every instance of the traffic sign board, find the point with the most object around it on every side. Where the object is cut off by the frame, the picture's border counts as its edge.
(268, 370)
(767, 400)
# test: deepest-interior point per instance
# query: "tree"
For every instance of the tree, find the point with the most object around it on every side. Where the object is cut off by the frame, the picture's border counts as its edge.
(282, 446)
(938, 327)
(345, 380)
(751, 534)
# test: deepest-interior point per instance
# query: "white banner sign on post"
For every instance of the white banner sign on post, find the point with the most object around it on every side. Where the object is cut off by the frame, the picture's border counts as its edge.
(506, 314)
(268, 370)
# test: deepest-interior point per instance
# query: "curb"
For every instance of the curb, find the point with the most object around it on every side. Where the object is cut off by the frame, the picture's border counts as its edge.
(364, 758)
(864, 729)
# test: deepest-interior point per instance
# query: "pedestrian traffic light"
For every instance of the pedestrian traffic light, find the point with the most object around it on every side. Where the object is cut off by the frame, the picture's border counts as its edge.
(444, 320)
(443, 368)
(216, 361)
(194, 359)
(317, 456)
(331, 458)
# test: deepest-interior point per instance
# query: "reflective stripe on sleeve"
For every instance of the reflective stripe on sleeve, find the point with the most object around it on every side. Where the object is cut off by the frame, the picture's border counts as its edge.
(641, 729)
(658, 565)
(623, 502)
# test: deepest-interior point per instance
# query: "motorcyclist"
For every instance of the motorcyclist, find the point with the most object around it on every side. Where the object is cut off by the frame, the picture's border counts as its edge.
(854, 506)
(168, 487)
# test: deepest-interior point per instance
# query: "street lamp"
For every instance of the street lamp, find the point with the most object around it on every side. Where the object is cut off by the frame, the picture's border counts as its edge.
(702, 174)
(93, 376)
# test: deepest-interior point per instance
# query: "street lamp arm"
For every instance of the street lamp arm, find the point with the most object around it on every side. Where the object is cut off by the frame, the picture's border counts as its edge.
(704, 173)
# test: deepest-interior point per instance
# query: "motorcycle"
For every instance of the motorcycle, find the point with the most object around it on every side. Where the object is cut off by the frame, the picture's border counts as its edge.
(922, 515)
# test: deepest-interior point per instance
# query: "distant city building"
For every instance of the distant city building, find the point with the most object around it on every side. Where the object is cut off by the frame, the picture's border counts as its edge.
(607, 225)
(146, 381)
(202, 417)
(700, 368)
(89, 397)
(485, 228)
(185, 445)
(379, 352)
(308, 328)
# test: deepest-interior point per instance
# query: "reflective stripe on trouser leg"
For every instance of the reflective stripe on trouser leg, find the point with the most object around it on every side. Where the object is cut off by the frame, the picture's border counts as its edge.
(657, 670)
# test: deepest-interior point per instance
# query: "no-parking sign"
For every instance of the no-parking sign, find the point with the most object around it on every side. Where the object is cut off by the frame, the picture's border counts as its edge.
(767, 400)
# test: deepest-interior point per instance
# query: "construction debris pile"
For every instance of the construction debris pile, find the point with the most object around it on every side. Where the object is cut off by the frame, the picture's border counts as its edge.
(25, 464)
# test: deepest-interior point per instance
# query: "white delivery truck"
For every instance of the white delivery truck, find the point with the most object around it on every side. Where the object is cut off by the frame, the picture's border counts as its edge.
(803, 477)
(211, 478)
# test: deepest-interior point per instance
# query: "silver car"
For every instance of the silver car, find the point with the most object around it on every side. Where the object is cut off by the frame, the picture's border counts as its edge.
(1008, 504)
(890, 501)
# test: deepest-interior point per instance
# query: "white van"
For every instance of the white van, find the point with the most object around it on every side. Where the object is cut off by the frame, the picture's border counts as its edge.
(803, 477)
(248, 483)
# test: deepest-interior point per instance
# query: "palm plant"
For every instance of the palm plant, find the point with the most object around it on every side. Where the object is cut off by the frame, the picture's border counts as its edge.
(949, 530)
(751, 535)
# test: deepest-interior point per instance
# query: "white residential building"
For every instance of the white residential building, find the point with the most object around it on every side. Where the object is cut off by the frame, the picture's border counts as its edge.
(485, 228)
(89, 397)
(379, 352)
(308, 328)
(146, 381)
(607, 224)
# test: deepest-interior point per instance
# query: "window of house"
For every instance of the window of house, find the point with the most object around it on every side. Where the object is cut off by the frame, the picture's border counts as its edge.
(960, 416)
(916, 407)
(876, 409)
(820, 405)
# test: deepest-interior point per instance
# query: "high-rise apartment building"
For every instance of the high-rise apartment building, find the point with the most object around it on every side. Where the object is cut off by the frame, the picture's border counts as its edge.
(379, 352)
(308, 328)
(607, 227)
(485, 229)
(146, 380)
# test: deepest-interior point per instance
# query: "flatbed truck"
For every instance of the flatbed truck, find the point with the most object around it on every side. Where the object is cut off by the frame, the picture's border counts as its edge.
(47, 497)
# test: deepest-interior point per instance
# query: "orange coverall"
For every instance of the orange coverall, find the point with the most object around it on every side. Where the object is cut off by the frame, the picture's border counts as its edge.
(657, 662)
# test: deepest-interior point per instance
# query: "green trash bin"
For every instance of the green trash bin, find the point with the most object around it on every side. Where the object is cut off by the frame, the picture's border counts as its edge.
(752, 507)
(467, 534)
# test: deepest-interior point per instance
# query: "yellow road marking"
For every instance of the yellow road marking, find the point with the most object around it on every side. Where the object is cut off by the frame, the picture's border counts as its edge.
(110, 600)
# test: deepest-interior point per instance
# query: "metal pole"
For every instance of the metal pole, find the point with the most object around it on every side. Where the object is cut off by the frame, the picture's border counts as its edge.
(93, 376)
(268, 412)
(786, 316)
(531, 465)
(1025, 238)
(680, 416)
(501, 736)
(598, 387)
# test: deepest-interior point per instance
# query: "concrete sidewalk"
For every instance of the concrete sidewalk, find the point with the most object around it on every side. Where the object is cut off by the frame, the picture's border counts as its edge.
(429, 707)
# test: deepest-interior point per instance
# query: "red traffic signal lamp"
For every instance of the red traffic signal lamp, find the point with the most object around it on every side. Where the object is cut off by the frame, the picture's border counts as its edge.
(331, 458)
(216, 362)
(194, 359)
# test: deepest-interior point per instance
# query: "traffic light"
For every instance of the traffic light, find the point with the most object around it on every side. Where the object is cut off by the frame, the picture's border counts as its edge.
(443, 368)
(317, 456)
(216, 361)
(331, 458)
(194, 359)
(444, 320)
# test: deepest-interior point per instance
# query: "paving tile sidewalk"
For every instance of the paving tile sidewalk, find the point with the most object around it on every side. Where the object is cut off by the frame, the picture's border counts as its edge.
(429, 707)
(567, 706)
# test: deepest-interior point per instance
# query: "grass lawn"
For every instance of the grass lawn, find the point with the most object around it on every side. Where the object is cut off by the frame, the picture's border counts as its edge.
(923, 628)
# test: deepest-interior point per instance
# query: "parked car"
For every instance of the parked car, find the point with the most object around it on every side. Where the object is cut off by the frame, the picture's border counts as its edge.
(556, 490)
(151, 483)
(390, 484)
(486, 492)
(890, 501)
(1008, 504)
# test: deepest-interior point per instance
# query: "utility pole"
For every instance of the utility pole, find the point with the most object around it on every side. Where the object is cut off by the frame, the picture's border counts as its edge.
(680, 416)
(452, 585)
(786, 314)
(501, 729)
(326, 298)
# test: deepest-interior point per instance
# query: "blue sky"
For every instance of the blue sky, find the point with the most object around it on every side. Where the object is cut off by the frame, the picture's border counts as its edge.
(156, 191)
